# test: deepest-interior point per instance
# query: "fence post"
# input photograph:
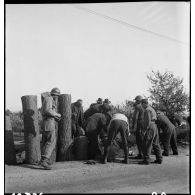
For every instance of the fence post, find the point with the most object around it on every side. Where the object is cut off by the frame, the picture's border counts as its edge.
(31, 129)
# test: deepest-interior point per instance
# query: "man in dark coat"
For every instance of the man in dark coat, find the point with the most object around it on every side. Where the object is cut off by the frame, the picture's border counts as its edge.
(151, 137)
(94, 108)
(77, 118)
(96, 125)
(169, 133)
(137, 125)
(107, 107)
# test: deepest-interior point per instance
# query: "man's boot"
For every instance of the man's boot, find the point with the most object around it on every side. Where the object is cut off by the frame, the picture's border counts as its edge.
(158, 161)
(165, 153)
(44, 163)
(139, 156)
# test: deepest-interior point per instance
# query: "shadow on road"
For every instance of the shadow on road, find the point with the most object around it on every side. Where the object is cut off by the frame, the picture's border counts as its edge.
(31, 166)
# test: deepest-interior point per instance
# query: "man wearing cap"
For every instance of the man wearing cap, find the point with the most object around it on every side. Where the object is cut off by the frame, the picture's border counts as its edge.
(137, 125)
(77, 118)
(151, 137)
(106, 107)
(169, 133)
(96, 125)
(50, 116)
(94, 108)
(118, 123)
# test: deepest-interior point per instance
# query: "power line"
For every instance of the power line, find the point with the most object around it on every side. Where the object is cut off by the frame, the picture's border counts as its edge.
(129, 25)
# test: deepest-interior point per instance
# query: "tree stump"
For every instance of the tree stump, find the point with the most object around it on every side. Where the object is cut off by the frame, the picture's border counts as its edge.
(10, 154)
(31, 129)
(53, 155)
(65, 150)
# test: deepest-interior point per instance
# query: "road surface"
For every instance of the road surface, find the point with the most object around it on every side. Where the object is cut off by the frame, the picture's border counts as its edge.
(77, 177)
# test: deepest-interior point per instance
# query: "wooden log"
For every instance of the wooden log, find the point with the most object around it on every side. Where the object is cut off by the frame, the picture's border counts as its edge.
(10, 154)
(64, 150)
(31, 129)
(53, 155)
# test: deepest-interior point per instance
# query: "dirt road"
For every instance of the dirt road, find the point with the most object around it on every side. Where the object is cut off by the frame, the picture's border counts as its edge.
(77, 177)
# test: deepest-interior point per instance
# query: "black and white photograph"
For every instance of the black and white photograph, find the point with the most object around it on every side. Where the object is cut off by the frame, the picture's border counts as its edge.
(97, 98)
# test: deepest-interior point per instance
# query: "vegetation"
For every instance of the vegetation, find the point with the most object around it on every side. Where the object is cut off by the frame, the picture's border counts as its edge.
(167, 93)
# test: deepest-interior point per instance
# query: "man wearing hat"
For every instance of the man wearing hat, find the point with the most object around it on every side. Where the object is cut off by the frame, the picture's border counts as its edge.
(106, 107)
(137, 125)
(50, 116)
(77, 118)
(151, 137)
(169, 133)
(94, 108)
(97, 107)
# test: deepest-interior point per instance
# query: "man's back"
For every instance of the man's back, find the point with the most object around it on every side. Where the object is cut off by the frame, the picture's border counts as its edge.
(96, 121)
(164, 122)
(149, 116)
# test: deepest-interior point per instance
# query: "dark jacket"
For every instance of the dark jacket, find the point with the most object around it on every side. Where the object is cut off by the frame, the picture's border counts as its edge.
(106, 107)
(94, 108)
(96, 123)
(77, 114)
(164, 123)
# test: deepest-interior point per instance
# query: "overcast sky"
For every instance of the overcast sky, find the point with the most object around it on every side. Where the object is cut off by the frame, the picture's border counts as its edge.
(89, 55)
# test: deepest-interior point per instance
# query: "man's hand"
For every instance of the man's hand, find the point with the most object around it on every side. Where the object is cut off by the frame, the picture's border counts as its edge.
(58, 117)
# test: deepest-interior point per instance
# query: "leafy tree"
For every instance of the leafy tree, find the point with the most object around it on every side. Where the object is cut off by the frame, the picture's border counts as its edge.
(167, 93)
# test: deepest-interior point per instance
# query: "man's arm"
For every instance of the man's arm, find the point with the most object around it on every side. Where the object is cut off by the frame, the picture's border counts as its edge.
(47, 109)
(135, 118)
(148, 119)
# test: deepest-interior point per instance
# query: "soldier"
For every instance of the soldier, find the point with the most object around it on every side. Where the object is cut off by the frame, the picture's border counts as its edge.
(77, 118)
(169, 134)
(137, 126)
(118, 123)
(49, 135)
(151, 137)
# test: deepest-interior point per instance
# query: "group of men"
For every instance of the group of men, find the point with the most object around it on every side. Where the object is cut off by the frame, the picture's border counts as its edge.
(146, 123)
(99, 121)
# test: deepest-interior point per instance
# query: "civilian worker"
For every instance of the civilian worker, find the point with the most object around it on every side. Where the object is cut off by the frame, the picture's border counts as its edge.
(94, 108)
(77, 118)
(118, 123)
(96, 124)
(169, 134)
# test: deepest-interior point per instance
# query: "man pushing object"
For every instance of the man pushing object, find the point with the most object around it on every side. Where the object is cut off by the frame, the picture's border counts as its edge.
(118, 123)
